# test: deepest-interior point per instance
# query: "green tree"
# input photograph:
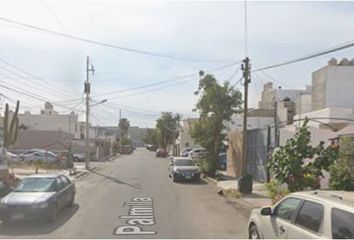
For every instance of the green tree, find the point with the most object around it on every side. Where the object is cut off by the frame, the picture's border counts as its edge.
(342, 176)
(124, 127)
(151, 136)
(288, 165)
(167, 126)
(217, 104)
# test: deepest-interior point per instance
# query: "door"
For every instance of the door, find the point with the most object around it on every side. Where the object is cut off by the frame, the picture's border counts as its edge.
(61, 197)
(308, 222)
(277, 225)
(68, 190)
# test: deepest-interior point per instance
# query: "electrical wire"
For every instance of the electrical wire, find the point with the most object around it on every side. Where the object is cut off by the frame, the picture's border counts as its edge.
(163, 82)
(48, 85)
(331, 50)
(137, 51)
(50, 10)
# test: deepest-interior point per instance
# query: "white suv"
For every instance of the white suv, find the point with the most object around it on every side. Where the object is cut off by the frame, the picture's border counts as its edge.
(313, 214)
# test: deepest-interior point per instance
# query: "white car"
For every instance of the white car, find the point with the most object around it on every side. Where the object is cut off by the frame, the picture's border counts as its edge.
(304, 215)
(197, 153)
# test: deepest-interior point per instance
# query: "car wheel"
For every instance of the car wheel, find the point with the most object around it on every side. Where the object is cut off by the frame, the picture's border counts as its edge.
(253, 232)
(53, 212)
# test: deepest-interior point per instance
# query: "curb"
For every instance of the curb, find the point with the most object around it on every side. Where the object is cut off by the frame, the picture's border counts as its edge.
(235, 201)
(77, 176)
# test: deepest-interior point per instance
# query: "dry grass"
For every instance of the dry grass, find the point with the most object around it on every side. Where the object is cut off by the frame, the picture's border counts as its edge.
(232, 193)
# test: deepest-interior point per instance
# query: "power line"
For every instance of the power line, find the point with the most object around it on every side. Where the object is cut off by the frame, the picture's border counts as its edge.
(233, 74)
(335, 49)
(143, 52)
(24, 78)
(62, 25)
(163, 82)
(34, 77)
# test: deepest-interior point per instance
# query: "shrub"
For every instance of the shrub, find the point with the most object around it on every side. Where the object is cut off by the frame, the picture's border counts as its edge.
(276, 190)
(342, 177)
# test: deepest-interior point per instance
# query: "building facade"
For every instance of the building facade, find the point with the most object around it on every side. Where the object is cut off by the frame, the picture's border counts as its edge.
(332, 85)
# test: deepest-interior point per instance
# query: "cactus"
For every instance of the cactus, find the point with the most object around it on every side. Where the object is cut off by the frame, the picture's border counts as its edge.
(11, 132)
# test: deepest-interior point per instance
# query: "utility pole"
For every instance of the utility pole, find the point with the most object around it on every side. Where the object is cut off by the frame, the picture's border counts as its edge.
(120, 130)
(87, 91)
(275, 123)
(246, 75)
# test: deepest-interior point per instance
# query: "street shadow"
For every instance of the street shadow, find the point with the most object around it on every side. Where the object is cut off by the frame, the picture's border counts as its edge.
(116, 180)
(38, 227)
(185, 182)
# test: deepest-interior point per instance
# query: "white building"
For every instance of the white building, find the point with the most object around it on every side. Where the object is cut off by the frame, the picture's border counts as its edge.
(271, 95)
(333, 85)
(184, 139)
(50, 120)
(257, 118)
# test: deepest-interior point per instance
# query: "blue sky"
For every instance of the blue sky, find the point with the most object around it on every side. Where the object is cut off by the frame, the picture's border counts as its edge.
(277, 31)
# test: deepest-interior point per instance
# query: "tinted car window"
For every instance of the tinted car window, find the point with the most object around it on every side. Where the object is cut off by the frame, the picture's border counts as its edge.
(287, 208)
(184, 162)
(310, 216)
(342, 224)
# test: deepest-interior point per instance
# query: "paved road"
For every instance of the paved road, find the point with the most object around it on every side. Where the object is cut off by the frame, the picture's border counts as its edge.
(181, 210)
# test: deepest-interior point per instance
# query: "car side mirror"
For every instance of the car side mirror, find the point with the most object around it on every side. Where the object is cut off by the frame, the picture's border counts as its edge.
(266, 211)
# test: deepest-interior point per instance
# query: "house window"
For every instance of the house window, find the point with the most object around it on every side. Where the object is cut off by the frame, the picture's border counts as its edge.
(42, 112)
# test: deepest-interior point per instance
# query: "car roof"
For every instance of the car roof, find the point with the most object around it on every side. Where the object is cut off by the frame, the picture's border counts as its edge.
(182, 158)
(44, 176)
(333, 197)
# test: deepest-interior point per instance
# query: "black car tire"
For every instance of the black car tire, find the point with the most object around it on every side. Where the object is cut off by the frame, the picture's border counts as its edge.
(53, 212)
(253, 232)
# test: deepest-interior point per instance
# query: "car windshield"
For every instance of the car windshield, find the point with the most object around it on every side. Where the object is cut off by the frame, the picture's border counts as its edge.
(36, 185)
(184, 162)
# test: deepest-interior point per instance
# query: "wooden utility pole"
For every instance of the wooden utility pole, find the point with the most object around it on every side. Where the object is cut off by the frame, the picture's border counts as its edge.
(246, 75)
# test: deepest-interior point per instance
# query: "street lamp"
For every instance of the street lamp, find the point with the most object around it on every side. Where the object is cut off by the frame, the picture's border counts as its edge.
(87, 160)
(103, 101)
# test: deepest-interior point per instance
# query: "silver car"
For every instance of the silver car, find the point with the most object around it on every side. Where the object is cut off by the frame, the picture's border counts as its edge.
(37, 196)
(44, 156)
(182, 168)
(304, 215)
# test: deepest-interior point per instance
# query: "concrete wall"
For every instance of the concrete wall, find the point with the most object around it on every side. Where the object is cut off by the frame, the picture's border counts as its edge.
(332, 86)
(330, 112)
(252, 123)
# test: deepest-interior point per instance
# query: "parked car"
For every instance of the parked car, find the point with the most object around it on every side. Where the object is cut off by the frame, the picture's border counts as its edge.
(4, 189)
(79, 157)
(151, 147)
(182, 168)
(185, 152)
(37, 196)
(197, 153)
(45, 156)
(161, 153)
(303, 215)
(12, 158)
(222, 160)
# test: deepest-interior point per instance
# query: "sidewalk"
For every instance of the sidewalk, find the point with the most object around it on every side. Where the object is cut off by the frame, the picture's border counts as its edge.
(78, 171)
(258, 198)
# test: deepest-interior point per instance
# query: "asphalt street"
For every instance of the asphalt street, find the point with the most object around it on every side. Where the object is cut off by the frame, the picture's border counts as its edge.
(133, 197)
